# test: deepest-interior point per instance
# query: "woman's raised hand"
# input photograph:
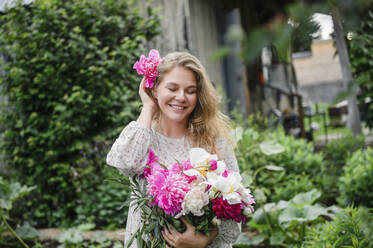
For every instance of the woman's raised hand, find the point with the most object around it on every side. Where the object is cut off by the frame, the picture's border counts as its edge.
(149, 105)
(189, 238)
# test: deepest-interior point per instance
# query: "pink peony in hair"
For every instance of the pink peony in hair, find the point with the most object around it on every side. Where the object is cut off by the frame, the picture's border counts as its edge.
(148, 66)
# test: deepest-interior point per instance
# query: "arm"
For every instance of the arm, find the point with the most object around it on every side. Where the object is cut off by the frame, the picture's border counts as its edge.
(129, 151)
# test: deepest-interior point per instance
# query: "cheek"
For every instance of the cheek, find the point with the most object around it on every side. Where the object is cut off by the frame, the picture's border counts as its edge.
(193, 100)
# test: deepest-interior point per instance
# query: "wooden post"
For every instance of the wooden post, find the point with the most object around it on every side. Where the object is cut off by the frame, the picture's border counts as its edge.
(301, 116)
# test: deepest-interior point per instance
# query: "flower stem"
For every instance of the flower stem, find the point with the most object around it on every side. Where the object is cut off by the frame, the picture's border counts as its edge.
(13, 232)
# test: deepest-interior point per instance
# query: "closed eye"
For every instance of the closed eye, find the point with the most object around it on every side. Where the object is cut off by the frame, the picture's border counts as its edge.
(191, 92)
(172, 89)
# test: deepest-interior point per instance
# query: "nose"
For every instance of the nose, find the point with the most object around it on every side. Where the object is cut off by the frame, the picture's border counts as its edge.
(180, 95)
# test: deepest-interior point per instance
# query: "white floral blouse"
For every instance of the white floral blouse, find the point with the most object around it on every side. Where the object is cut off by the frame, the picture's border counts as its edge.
(129, 155)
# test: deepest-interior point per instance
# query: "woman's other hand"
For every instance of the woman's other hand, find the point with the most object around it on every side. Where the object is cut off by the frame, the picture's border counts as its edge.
(149, 106)
(189, 238)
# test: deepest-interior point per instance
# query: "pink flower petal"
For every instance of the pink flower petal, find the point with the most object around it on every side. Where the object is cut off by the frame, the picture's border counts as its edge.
(148, 66)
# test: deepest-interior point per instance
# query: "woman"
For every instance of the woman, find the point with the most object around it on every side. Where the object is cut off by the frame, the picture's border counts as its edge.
(181, 111)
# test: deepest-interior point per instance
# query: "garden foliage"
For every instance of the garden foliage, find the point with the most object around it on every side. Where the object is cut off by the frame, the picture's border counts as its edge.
(285, 223)
(296, 161)
(335, 156)
(361, 57)
(356, 183)
(346, 230)
(296, 187)
(10, 192)
(70, 89)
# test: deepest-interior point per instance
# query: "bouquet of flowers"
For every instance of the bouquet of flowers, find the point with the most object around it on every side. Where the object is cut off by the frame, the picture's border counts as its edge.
(201, 189)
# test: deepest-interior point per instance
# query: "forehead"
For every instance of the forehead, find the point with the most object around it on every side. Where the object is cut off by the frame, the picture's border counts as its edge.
(179, 76)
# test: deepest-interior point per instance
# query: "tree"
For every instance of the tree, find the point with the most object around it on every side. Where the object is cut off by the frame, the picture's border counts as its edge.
(353, 117)
(361, 56)
(70, 89)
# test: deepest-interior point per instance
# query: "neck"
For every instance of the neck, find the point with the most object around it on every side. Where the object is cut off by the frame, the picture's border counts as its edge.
(172, 129)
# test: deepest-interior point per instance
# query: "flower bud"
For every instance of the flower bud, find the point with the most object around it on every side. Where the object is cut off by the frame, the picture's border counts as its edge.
(248, 211)
(216, 221)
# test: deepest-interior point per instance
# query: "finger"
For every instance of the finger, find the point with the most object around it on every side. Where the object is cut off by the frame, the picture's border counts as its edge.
(143, 84)
(172, 234)
(168, 237)
(188, 225)
(167, 233)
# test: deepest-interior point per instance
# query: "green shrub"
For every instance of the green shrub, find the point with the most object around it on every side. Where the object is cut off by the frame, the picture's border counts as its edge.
(292, 185)
(356, 183)
(285, 223)
(335, 155)
(344, 231)
(361, 57)
(10, 192)
(298, 158)
(105, 204)
(337, 151)
(70, 85)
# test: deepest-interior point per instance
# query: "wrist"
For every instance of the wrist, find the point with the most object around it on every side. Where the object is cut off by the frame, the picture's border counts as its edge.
(146, 117)
(212, 235)
(148, 110)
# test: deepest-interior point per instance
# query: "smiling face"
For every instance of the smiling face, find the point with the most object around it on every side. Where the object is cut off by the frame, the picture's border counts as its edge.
(177, 94)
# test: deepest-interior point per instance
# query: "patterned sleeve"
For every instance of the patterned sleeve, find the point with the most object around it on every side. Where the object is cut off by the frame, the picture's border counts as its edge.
(229, 230)
(129, 151)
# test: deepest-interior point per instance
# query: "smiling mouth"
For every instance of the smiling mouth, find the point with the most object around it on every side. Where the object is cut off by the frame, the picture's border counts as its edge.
(177, 108)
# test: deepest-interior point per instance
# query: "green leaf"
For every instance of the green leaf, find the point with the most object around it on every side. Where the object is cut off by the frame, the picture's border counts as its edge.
(247, 179)
(99, 237)
(273, 168)
(86, 226)
(277, 238)
(259, 195)
(258, 239)
(306, 198)
(26, 231)
(271, 148)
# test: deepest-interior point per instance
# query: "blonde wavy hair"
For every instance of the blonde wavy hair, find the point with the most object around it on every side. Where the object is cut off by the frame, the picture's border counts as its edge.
(206, 123)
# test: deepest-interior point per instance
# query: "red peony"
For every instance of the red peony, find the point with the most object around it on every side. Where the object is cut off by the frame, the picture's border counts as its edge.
(224, 210)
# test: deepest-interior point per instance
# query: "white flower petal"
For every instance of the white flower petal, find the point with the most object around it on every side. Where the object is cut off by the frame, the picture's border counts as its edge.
(232, 198)
(198, 156)
(192, 172)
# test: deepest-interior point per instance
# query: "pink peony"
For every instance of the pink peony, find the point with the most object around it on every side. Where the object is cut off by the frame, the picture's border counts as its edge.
(178, 168)
(224, 210)
(213, 164)
(148, 66)
(187, 165)
(152, 159)
(168, 189)
(226, 173)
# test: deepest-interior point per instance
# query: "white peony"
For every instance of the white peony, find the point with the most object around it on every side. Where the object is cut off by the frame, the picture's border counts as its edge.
(195, 200)
(228, 186)
(199, 159)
